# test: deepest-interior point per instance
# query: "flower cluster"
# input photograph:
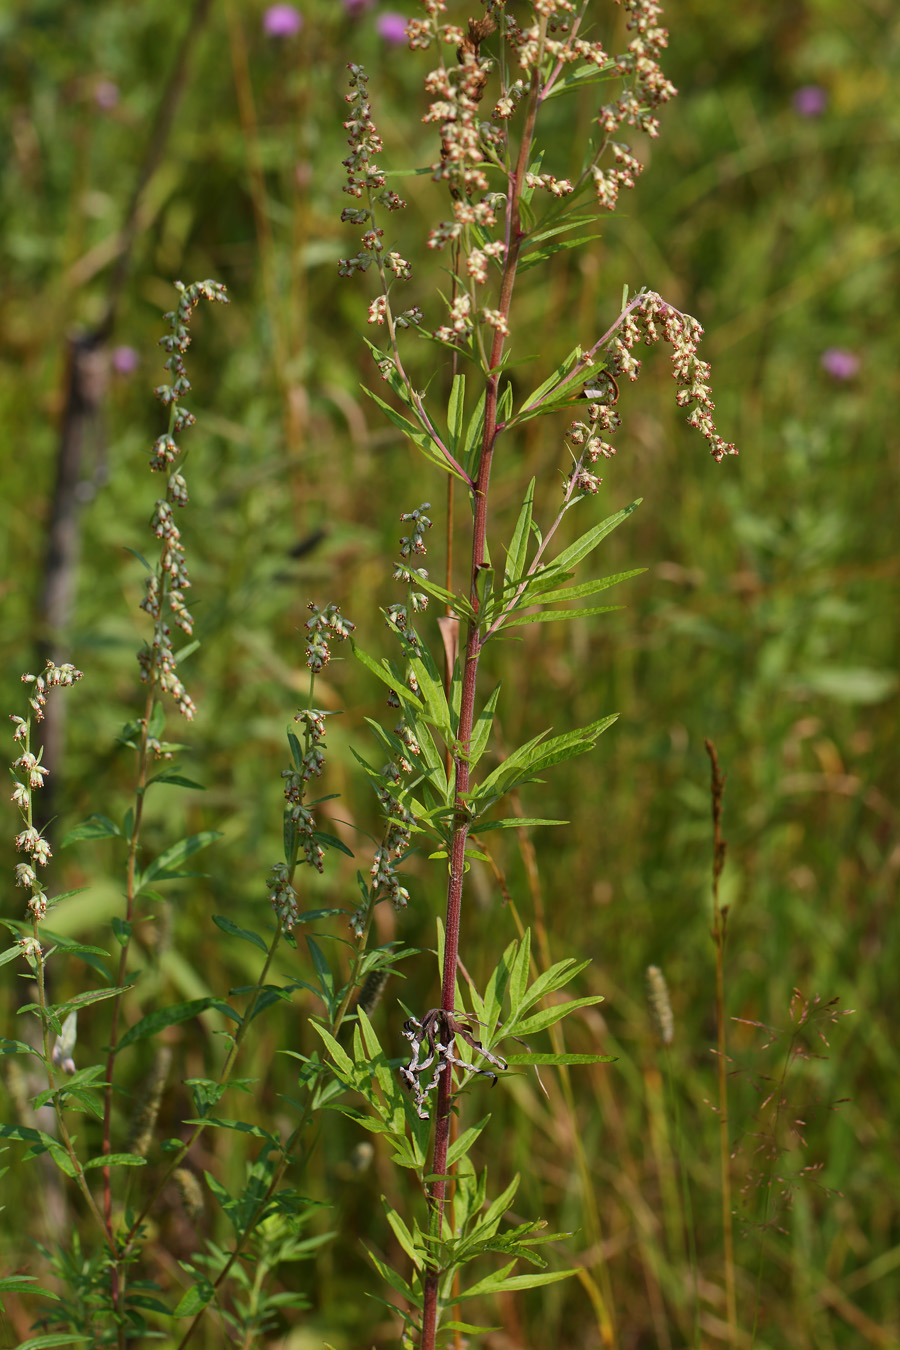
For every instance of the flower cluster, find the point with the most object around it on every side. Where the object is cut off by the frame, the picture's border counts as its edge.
(165, 587)
(587, 436)
(28, 776)
(649, 319)
(326, 626)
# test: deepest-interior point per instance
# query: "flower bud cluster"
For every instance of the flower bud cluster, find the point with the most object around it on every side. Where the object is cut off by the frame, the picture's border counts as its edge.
(366, 179)
(282, 895)
(166, 586)
(650, 320)
(586, 436)
(415, 542)
(325, 626)
(28, 777)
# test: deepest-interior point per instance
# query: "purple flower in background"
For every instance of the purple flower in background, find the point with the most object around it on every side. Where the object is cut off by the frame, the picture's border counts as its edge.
(810, 101)
(391, 26)
(106, 94)
(840, 363)
(282, 21)
(357, 6)
(124, 360)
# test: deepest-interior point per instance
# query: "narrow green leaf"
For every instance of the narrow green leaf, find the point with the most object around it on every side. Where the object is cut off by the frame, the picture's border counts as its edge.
(517, 553)
(234, 930)
(548, 1017)
(338, 1053)
(115, 1160)
(172, 1016)
(461, 1145)
(526, 1061)
(195, 1299)
(404, 1236)
(55, 1338)
(95, 827)
(482, 728)
(518, 976)
(178, 853)
(176, 779)
(498, 1284)
(456, 413)
(591, 538)
(557, 615)
(122, 930)
(589, 587)
(24, 1284)
(393, 1279)
(514, 823)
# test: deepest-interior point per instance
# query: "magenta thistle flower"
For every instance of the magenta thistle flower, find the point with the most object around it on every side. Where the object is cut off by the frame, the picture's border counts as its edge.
(810, 101)
(124, 360)
(106, 95)
(392, 27)
(840, 363)
(282, 21)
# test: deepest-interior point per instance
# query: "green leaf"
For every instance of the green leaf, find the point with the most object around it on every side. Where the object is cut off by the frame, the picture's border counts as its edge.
(456, 413)
(122, 930)
(548, 1017)
(55, 1338)
(518, 976)
(164, 868)
(393, 1279)
(172, 1016)
(517, 553)
(526, 1061)
(461, 1145)
(558, 615)
(499, 1284)
(531, 759)
(589, 587)
(116, 1160)
(482, 728)
(422, 439)
(234, 930)
(338, 1053)
(513, 823)
(591, 538)
(562, 370)
(24, 1284)
(95, 827)
(195, 1299)
(404, 1236)
(175, 779)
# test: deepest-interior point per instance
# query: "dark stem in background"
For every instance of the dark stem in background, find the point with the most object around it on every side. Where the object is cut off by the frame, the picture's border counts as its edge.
(720, 925)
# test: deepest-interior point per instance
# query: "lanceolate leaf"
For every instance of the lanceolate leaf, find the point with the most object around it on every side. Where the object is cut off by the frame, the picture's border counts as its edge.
(165, 867)
(172, 1016)
(591, 538)
(518, 546)
(529, 760)
(555, 615)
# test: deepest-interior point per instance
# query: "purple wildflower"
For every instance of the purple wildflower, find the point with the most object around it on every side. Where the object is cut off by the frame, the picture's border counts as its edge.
(810, 101)
(357, 6)
(106, 95)
(282, 21)
(124, 360)
(392, 27)
(840, 363)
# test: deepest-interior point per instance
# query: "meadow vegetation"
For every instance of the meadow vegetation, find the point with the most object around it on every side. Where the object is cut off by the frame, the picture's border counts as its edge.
(151, 143)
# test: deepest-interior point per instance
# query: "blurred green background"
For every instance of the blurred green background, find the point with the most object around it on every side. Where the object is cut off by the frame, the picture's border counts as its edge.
(766, 619)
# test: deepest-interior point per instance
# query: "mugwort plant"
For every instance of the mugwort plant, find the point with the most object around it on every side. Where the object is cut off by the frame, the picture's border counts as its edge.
(509, 208)
(439, 778)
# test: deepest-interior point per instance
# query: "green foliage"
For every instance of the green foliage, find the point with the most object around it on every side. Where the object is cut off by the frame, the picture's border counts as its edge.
(765, 621)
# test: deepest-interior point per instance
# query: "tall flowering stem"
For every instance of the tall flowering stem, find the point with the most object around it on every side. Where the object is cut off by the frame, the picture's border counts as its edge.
(164, 602)
(28, 777)
(486, 102)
